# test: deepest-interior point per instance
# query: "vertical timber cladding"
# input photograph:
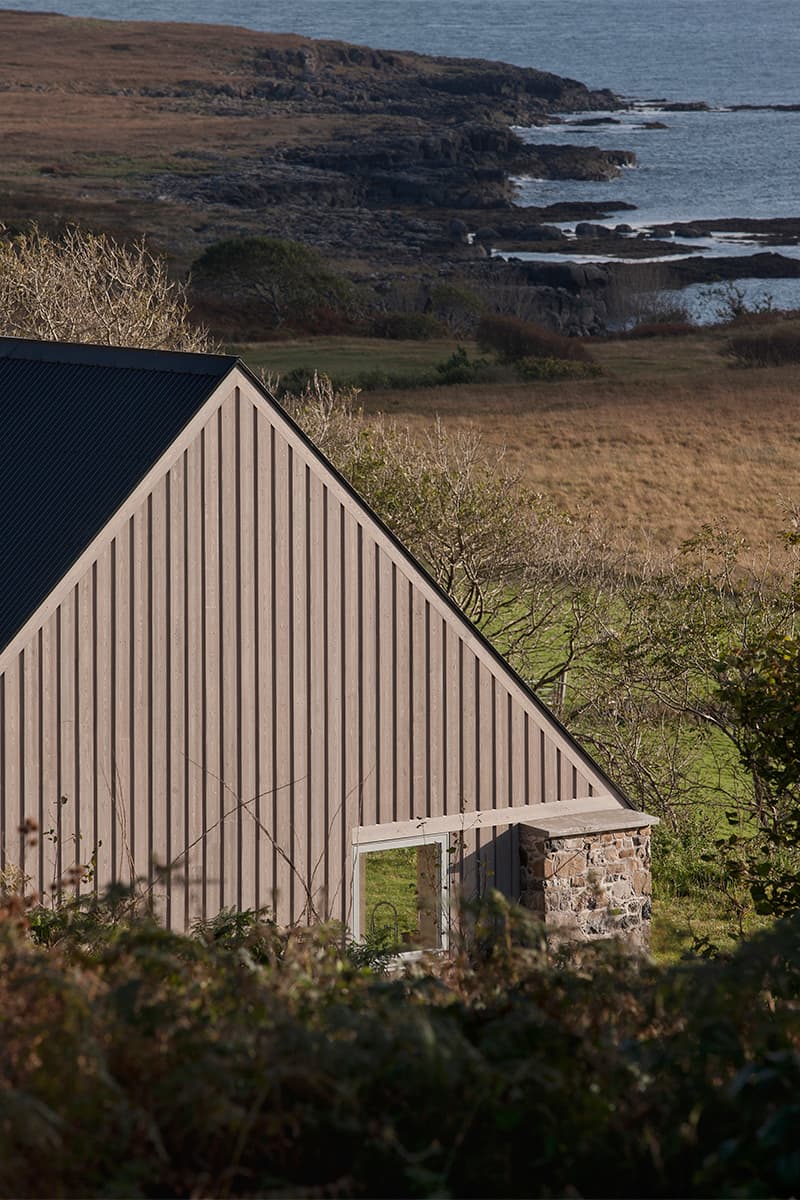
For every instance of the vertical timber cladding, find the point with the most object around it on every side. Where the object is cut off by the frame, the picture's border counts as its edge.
(243, 667)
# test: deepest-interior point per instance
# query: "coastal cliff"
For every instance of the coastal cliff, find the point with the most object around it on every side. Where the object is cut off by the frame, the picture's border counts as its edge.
(388, 163)
(198, 132)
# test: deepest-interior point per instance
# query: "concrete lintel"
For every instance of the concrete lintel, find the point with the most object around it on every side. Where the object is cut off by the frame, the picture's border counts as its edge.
(608, 821)
(527, 814)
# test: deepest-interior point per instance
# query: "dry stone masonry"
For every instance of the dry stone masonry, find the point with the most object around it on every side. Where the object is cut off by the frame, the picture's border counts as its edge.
(589, 878)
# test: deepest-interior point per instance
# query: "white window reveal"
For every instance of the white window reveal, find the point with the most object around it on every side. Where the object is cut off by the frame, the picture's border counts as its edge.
(401, 894)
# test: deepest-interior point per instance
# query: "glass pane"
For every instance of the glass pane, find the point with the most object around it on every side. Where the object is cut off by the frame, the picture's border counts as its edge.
(402, 897)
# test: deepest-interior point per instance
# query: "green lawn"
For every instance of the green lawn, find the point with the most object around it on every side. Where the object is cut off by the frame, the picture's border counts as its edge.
(650, 360)
(345, 357)
(680, 923)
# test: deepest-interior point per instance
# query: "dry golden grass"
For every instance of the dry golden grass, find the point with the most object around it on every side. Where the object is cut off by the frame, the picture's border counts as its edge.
(668, 439)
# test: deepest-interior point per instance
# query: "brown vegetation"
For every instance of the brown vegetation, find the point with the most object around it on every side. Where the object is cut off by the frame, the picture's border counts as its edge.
(513, 339)
(90, 109)
(772, 346)
(249, 1061)
(669, 438)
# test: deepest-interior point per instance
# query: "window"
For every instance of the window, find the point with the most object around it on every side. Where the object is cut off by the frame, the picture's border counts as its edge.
(400, 894)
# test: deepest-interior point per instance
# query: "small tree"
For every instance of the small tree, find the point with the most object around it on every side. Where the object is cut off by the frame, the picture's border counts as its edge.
(513, 563)
(290, 280)
(459, 307)
(85, 287)
(761, 688)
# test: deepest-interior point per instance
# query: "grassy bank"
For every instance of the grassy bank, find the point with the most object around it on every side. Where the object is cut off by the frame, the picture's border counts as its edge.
(670, 437)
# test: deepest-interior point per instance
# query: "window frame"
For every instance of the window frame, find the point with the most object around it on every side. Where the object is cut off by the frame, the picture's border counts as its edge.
(400, 843)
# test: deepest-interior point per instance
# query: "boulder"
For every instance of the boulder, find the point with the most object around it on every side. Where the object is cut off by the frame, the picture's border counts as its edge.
(540, 233)
(584, 121)
(587, 229)
(486, 234)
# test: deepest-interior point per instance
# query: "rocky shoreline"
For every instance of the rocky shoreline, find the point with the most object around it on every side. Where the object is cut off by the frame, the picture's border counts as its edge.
(389, 164)
(427, 138)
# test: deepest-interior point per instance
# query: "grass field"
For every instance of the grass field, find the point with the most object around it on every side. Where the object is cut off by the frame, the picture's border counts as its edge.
(668, 438)
(660, 454)
(682, 924)
(345, 357)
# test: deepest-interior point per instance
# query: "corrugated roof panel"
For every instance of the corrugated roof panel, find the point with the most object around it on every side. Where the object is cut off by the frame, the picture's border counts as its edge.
(81, 426)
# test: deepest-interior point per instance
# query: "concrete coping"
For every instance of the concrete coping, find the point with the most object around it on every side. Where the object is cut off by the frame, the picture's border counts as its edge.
(520, 814)
(607, 821)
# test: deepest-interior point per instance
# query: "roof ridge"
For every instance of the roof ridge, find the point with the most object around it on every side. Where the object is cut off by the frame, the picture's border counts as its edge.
(88, 354)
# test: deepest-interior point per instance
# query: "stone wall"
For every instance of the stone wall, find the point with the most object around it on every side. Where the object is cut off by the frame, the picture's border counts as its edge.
(589, 884)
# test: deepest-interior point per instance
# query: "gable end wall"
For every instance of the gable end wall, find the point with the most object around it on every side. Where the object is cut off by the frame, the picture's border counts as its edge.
(243, 667)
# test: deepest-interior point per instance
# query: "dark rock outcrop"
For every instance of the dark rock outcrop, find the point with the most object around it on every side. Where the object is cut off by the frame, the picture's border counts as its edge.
(719, 269)
(587, 229)
(774, 231)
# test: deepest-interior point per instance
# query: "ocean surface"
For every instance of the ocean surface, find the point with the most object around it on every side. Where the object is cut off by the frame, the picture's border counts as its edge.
(720, 163)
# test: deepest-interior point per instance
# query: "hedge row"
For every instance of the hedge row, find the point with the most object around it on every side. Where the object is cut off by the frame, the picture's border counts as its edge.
(243, 1061)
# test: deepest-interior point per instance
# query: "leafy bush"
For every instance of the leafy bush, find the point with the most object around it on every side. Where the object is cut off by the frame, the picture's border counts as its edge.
(548, 369)
(734, 307)
(511, 339)
(460, 368)
(760, 687)
(767, 347)
(457, 369)
(300, 378)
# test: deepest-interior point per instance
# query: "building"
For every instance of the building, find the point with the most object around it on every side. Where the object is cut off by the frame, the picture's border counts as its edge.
(222, 676)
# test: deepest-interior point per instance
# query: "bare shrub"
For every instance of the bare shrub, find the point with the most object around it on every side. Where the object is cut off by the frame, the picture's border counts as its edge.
(512, 561)
(513, 339)
(85, 287)
(517, 299)
(644, 294)
(769, 347)
(649, 329)
(331, 418)
(734, 307)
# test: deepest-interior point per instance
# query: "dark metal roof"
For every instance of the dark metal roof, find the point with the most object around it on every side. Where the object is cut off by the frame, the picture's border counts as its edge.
(81, 426)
